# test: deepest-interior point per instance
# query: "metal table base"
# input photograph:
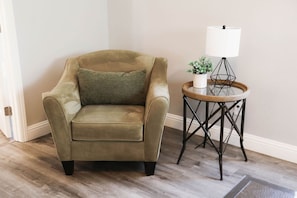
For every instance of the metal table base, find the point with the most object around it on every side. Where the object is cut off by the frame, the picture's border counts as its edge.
(224, 112)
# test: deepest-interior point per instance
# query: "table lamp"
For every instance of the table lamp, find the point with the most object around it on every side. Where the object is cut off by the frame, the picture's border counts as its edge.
(222, 42)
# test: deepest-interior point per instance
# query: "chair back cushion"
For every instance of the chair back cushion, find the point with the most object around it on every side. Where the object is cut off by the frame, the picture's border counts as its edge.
(114, 77)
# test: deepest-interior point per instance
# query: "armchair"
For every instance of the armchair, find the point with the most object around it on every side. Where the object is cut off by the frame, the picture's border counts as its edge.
(109, 105)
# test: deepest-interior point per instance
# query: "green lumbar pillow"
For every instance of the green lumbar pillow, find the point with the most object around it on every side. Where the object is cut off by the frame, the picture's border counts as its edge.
(97, 87)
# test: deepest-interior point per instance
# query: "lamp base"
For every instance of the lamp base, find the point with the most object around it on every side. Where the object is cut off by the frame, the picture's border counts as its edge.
(223, 74)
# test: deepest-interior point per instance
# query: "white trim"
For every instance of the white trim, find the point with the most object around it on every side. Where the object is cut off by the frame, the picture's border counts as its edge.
(251, 142)
(14, 80)
(37, 130)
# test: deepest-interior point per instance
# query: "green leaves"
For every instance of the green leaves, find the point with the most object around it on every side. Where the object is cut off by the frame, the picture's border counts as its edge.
(202, 66)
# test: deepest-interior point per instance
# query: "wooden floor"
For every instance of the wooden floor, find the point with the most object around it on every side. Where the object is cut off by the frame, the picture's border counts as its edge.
(32, 170)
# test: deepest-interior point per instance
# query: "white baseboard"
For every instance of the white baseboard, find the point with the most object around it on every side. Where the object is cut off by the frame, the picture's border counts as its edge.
(252, 142)
(37, 130)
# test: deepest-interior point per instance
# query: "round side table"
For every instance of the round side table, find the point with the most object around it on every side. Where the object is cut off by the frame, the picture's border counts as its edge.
(229, 103)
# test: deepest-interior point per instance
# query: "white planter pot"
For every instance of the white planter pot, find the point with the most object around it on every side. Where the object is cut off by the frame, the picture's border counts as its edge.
(200, 80)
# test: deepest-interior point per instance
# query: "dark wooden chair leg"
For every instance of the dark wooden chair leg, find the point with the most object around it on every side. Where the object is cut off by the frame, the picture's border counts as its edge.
(149, 168)
(68, 167)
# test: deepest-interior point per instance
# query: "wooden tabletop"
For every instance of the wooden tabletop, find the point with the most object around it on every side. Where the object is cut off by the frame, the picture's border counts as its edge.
(237, 91)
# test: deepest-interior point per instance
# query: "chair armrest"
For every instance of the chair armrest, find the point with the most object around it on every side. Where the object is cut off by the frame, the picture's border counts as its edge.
(61, 104)
(156, 108)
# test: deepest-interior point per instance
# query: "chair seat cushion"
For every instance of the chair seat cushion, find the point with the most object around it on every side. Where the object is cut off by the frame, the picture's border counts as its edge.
(108, 123)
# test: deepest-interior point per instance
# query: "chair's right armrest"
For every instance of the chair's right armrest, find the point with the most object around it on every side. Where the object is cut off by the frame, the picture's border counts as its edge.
(61, 104)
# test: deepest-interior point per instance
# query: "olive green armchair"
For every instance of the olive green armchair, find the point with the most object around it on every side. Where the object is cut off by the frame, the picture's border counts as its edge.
(109, 105)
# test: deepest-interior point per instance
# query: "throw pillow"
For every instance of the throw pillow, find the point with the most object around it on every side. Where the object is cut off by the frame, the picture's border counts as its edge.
(97, 87)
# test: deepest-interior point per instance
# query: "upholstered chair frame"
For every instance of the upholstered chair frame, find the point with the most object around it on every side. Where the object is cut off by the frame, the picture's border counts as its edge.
(63, 104)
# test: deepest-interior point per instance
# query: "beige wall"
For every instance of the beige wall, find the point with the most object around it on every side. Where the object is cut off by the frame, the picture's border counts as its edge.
(50, 31)
(267, 61)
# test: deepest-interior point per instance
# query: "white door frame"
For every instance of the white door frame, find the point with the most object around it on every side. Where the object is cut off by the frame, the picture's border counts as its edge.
(5, 121)
(14, 84)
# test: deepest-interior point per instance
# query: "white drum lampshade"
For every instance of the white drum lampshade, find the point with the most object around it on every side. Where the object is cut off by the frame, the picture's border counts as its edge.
(222, 42)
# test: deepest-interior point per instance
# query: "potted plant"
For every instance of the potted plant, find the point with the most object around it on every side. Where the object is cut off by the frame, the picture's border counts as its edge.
(199, 69)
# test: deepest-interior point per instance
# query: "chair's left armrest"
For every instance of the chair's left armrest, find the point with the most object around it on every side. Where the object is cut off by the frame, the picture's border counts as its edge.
(61, 104)
(156, 108)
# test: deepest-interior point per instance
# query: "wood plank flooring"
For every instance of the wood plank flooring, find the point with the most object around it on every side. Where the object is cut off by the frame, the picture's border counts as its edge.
(32, 170)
